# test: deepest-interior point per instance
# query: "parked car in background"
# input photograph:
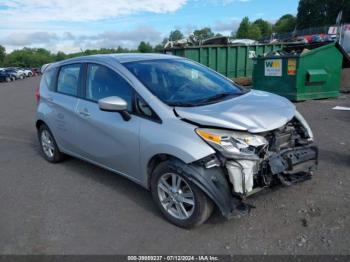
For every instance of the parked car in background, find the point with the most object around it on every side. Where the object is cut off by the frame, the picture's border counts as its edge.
(28, 72)
(18, 74)
(6, 76)
(36, 71)
(188, 134)
(19, 70)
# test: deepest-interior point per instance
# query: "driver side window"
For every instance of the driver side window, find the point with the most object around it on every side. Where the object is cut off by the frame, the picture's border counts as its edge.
(103, 82)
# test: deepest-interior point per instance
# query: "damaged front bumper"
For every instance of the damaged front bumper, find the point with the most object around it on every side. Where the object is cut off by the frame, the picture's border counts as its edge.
(247, 177)
(295, 160)
(248, 163)
(287, 166)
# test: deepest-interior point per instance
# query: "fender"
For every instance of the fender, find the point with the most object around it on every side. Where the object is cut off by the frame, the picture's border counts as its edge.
(214, 184)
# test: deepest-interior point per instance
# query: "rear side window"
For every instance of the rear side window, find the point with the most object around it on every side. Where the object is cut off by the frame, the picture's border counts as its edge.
(48, 78)
(68, 79)
(103, 82)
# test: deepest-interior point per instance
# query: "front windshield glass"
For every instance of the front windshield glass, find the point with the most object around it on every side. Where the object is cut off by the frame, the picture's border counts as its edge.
(179, 82)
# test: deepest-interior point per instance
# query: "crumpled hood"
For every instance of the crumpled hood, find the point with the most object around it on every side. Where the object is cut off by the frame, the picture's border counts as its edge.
(256, 112)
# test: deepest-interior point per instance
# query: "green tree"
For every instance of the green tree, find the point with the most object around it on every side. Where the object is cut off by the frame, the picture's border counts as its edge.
(165, 40)
(254, 32)
(2, 54)
(159, 48)
(29, 57)
(122, 50)
(315, 13)
(265, 27)
(176, 35)
(145, 47)
(285, 24)
(243, 29)
(60, 56)
(203, 33)
(248, 30)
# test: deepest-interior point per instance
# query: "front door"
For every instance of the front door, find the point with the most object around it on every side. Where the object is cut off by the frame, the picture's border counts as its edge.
(105, 137)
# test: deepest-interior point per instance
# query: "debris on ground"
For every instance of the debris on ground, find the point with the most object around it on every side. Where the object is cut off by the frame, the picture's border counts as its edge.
(341, 108)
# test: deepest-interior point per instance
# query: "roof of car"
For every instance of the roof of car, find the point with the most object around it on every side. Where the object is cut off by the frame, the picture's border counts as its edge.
(124, 58)
(121, 58)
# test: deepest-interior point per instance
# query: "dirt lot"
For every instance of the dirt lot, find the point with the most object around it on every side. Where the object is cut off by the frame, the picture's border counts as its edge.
(77, 208)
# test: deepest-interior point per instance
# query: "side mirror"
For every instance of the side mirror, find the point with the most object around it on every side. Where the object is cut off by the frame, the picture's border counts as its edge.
(115, 104)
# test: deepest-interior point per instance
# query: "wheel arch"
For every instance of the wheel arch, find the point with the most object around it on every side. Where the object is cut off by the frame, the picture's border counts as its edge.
(212, 181)
(155, 161)
(39, 123)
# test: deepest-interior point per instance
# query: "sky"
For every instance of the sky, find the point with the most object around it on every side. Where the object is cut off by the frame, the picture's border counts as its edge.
(75, 25)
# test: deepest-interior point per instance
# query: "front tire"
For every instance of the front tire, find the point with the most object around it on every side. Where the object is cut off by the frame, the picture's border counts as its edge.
(180, 200)
(48, 145)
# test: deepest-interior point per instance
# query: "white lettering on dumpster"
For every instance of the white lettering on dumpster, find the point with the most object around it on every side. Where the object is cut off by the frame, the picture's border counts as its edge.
(273, 67)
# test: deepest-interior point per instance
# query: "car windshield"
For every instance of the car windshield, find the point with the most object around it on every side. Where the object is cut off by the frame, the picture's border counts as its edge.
(179, 82)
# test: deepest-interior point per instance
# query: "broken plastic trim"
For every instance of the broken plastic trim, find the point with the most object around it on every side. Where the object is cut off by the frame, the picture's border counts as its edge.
(213, 182)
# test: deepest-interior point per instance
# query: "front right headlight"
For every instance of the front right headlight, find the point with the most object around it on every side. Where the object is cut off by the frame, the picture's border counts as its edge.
(232, 144)
(302, 120)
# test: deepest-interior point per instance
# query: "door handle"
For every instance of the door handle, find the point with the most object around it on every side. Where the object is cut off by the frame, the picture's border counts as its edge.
(84, 113)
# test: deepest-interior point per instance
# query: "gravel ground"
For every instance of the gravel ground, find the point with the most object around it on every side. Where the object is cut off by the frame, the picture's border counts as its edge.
(77, 208)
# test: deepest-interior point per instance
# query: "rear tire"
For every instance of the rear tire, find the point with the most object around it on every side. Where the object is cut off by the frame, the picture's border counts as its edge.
(180, 201)
(48, 146)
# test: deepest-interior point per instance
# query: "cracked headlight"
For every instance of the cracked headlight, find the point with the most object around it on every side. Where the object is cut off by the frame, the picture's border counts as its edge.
(232, 144)
(302, 120)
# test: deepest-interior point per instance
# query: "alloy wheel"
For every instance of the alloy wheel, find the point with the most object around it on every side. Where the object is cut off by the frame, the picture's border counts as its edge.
(47, 144)
(176, 196)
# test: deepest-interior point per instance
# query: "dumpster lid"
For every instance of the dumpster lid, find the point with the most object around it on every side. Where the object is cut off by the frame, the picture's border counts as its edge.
(317, 75)
(298, 48)
(317, 72)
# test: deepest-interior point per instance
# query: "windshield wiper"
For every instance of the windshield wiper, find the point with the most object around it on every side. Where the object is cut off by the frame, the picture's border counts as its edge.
(217, 97)
(180, 104)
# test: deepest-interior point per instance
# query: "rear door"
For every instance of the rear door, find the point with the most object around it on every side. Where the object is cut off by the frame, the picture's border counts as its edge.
(105, 137)
(64, 102)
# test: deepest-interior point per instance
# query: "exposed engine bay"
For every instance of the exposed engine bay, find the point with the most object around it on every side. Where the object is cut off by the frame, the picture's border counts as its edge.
(255, 161)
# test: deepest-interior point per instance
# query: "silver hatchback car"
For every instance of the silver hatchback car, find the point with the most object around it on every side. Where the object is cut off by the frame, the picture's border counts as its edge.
(191, 136)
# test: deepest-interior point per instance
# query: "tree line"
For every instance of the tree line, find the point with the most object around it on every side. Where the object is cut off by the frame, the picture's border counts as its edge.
(311, 13)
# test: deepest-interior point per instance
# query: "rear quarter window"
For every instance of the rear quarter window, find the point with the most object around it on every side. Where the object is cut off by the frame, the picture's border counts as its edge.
(49, 78)
(69, 79)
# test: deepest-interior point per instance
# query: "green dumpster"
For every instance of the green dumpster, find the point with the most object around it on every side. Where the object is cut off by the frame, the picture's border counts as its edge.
(302, 73)
(233, 61)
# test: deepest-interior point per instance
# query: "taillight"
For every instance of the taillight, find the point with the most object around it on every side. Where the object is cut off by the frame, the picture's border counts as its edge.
(37, 95)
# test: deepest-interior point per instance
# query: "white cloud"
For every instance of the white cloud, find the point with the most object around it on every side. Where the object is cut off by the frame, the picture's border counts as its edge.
(226, 26)
(21, 39)
(113, 39)
(70, 25)
(70, 42)
(29, 11)
(219, 2)
(227, 2)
